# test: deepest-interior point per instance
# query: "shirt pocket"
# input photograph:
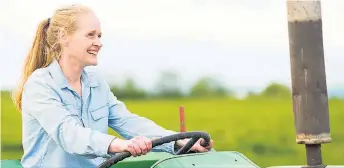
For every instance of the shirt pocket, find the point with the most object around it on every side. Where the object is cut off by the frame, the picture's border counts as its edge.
(100, 112)
(99, 116)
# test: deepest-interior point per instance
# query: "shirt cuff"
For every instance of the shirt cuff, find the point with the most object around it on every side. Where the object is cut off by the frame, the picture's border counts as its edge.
(105, 141)
(174, 148)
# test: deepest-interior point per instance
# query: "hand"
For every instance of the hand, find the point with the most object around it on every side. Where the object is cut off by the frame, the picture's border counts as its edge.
(197, 146)
(137, 146)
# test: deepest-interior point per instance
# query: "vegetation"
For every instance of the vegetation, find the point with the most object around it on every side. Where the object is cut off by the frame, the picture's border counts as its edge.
(168, 87)
(260, 126)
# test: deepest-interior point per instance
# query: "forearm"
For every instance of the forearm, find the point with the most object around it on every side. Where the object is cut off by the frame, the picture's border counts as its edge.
(131, 125)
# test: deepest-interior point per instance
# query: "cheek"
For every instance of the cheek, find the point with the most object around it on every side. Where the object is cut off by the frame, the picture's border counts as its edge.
(79, 47)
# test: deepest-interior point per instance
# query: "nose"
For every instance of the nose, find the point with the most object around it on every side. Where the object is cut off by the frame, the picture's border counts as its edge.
(98, 43)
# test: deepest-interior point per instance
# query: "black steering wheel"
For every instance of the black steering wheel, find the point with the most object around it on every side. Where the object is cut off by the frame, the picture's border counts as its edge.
(195, 136)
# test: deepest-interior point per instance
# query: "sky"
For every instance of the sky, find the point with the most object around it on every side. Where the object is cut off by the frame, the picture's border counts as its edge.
(243, 43)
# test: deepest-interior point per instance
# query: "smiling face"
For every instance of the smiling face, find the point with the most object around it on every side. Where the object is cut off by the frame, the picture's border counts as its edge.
(84, 43)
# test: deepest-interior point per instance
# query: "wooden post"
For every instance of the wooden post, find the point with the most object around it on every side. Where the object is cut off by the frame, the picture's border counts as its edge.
(309, 88)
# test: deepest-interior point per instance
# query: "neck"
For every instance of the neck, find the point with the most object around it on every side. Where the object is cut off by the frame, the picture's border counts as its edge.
(71, 69)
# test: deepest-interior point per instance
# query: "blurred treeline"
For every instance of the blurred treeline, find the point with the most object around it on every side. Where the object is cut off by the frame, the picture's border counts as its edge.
(169, 86)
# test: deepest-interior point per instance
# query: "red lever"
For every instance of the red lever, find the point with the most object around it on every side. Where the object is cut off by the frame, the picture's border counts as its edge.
(182, 119)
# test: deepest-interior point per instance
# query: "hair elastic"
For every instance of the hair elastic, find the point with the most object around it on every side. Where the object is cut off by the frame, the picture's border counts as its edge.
(48, 22)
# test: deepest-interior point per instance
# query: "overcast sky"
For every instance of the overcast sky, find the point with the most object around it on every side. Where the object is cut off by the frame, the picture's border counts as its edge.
(244, 43)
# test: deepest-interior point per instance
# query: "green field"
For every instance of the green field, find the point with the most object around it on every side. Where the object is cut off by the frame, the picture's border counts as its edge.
(262, 129)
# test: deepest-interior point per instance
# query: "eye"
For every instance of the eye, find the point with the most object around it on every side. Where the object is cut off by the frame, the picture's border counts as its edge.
(90, 34)
(99, 35)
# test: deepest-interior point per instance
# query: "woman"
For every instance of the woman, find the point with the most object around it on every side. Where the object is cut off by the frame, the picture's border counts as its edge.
(66, 110)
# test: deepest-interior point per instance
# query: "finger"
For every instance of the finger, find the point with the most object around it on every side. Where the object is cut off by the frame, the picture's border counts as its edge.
(202, 141)
(142, 145)
(210, 145)
(137, 148)
(138, 141)
(202, 149)
(196, 146)
(132, 150)
(148, 143)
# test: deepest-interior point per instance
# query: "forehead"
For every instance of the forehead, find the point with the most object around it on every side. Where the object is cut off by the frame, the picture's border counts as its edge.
(88, 22)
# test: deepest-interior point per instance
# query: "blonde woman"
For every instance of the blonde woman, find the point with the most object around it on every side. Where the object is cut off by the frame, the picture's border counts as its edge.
(66, 110)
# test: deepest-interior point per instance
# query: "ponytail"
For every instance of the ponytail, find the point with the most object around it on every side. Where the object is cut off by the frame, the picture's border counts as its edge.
(37, 58)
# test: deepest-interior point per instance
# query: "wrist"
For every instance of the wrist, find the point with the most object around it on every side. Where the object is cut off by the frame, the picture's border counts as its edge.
(181, 143)
(117, 145)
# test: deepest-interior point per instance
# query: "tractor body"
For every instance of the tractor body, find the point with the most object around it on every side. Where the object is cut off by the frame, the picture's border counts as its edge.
(225, 159)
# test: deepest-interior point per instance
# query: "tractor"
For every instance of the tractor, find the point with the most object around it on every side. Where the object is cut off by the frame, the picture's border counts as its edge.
(309, 93)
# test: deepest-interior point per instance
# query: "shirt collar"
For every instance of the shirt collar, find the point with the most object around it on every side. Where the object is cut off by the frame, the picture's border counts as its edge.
(61, 80)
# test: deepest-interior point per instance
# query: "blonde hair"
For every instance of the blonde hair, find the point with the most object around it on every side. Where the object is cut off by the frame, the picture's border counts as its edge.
(46, 47)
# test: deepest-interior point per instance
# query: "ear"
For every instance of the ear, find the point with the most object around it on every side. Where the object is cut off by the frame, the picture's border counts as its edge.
(63, 37)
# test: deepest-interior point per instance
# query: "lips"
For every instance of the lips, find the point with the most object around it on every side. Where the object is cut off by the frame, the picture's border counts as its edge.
(93, 52)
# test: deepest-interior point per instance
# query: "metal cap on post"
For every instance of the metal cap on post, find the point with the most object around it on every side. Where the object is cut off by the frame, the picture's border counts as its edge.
(309, 88)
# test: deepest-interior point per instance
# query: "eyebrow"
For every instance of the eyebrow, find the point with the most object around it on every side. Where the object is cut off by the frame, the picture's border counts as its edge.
(94, 31)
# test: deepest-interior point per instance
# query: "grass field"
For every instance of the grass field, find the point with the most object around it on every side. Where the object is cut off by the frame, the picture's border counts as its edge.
(263, 130)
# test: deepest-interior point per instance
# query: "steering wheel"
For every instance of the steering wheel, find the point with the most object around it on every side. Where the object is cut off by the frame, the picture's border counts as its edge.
(195, 136)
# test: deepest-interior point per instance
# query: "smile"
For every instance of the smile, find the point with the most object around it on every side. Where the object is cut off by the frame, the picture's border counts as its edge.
(92, 52)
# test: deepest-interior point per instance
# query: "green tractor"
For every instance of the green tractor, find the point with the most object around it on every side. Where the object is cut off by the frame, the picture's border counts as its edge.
(309, 101)
(182, 159)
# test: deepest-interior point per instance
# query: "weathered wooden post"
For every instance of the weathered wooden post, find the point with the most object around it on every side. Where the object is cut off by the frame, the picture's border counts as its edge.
(309, 88)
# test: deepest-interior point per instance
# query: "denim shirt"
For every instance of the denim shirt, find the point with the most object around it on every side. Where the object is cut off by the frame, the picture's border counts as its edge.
(63, 129)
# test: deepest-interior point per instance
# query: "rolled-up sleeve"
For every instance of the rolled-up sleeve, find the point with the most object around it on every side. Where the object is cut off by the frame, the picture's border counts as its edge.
(42, 102)
(129, 125)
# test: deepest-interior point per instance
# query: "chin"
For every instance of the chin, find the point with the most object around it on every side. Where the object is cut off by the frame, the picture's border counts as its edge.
(92, 63)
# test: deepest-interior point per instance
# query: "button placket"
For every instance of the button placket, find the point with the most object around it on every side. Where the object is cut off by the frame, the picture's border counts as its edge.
(79, 104)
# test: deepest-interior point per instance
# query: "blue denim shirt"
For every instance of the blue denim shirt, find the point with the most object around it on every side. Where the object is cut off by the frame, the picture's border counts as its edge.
(62, 129)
